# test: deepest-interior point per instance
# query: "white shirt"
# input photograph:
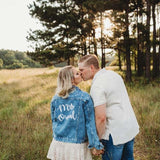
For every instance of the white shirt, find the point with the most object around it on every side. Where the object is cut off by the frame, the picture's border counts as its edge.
(108, 88)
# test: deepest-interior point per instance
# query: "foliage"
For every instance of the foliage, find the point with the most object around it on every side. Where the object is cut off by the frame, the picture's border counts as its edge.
(14, 59)
(15, 65)
(1, 63)
(59, 34)
(69, 28)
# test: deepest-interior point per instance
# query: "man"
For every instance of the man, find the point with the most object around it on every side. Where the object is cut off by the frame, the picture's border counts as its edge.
(115, 119)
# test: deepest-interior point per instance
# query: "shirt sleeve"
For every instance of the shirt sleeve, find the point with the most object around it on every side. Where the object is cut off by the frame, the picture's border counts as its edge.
(91, 126)
(98, 95)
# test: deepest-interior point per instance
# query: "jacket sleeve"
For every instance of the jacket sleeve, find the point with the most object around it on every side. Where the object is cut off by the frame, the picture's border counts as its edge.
(91, 126)
(52, 111)
(52, 115)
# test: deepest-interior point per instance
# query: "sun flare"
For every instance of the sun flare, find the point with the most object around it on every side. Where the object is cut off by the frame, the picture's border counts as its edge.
(107, 28)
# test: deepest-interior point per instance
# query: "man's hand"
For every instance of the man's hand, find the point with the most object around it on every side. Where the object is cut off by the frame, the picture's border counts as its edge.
(96, 152)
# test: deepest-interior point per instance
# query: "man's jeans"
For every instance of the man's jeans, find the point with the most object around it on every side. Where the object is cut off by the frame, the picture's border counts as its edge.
(117, 152)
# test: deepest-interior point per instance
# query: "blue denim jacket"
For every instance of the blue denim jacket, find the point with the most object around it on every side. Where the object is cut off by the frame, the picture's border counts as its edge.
(73, 119)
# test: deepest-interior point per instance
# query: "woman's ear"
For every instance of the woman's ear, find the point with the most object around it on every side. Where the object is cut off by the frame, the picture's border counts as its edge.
(72, 81)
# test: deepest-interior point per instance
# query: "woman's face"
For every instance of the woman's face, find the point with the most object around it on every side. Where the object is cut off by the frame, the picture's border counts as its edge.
(77, 77)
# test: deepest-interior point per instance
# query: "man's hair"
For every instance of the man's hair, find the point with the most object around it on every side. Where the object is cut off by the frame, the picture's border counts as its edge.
(64, 83)
(90, 60)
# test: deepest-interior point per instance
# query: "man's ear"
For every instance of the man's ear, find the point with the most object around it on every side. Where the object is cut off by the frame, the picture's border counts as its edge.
(92, 67)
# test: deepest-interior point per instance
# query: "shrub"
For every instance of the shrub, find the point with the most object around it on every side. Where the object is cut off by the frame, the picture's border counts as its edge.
(1, 63)
(15, 65)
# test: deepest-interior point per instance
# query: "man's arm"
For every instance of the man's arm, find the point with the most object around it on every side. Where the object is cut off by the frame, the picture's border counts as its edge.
(100, 118)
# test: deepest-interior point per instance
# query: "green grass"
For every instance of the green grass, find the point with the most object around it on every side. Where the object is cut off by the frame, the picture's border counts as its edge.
(25, 124)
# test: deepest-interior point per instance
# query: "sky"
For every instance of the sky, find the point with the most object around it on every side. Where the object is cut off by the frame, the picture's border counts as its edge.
(15, 22)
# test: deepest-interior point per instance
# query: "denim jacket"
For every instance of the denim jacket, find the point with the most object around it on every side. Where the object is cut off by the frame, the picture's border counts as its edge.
(73, 119)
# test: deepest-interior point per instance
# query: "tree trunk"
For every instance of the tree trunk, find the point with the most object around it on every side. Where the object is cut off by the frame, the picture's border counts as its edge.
(89, 45)
(158, 59)
(94, 42)
(127, 46)
(85, 47)
(102, 44)
(119, 60)
(148, 41)
(103, 60)
(155, 60)
(159, 55)
(68, 60)
(139, 52)
(135, 61)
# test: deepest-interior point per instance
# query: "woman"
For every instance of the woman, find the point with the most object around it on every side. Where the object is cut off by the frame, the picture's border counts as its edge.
(73, 120)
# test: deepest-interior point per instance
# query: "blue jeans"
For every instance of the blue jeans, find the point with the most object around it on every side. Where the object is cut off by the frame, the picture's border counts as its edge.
(117, 152)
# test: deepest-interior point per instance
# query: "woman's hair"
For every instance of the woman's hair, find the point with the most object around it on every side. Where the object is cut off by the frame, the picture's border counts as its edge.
(90, 60)
(64, 83)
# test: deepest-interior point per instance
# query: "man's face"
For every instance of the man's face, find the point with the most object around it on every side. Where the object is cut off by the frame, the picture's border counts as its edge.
(86, 72)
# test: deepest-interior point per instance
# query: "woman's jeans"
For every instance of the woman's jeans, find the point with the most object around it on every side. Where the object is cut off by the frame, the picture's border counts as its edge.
(117, 152)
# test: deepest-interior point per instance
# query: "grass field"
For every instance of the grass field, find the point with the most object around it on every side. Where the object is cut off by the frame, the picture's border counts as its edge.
(25, 124)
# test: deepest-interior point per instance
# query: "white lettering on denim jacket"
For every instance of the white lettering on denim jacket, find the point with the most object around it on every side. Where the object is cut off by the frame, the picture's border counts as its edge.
(66, 107)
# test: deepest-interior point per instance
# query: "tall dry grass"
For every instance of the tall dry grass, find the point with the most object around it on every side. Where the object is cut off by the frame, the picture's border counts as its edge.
(146, 103)
(25, 124)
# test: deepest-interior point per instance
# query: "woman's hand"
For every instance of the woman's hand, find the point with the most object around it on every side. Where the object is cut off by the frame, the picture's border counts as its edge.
(96, 152)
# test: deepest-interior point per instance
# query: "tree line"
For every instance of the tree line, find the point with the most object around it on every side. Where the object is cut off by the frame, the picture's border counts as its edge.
(10, 59)
(69, 29)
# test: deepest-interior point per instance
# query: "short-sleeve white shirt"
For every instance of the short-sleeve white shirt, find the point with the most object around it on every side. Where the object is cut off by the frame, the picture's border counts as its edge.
(108, 88)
